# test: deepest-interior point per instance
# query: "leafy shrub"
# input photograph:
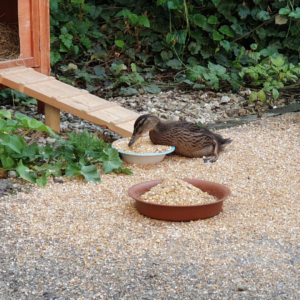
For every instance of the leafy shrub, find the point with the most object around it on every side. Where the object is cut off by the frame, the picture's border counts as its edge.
(125, 44)
(76, 156)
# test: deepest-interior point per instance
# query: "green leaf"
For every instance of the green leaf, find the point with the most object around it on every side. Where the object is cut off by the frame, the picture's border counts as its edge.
(261, 33)
(225, 44)
(119, 43)
(195, 73)
(285, 11)
(133, 18)
(111, 160)
(157, 46)
(262, 96)
(216, 69)
(42, 182)
(142, 20)
(225, 29)
(268, 51)
(153, 89)
(166, 55)
(199, 20)
(263, 15)
(55, 57)
(198, 86)
(26, 173)
(125, 13)
(13, 142)
(67, 40)
(243, 11)
(194, 48)
(212, 20)
(275, 93)
(7, 162)
(216, 2)
(133, 67)
(86, 42)
(128, 91)
(120, 68)
(126, 171)
(90, 173)
(5, 114)
(295, 14)
(95, 11)
(217, 36)
(252, 97)
(174, 64)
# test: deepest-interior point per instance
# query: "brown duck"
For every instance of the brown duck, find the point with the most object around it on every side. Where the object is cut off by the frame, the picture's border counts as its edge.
(189, 139)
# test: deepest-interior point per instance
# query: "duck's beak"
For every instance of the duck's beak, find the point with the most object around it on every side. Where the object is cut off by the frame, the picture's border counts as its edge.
(133, 139)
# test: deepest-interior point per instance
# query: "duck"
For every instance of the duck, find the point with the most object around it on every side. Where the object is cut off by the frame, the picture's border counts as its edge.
(189, 139)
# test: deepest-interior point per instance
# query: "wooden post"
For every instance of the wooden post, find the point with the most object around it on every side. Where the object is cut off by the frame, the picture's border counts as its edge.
(52, 118)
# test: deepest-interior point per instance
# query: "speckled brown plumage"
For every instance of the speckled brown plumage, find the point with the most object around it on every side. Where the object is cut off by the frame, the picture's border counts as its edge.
(189, 139)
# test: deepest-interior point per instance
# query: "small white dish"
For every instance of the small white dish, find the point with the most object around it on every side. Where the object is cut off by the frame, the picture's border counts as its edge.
(143, 159)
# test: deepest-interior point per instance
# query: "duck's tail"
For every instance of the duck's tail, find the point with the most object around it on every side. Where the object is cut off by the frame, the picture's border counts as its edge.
(222, 143)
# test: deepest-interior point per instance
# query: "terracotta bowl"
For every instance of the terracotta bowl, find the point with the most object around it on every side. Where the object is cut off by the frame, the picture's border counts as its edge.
(180, 212)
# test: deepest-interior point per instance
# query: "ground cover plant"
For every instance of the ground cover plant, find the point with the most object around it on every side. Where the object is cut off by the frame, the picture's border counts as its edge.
(78, 155)
(126, 47)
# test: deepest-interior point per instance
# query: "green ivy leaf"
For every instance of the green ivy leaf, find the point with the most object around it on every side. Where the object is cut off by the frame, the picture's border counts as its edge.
(153, 89)
(225, 44)
(217, 36)
(142, 20)
(194, 48)
(133, 18)
(199, 20)
(13, 142)
(67, 40)
(263, 15)
(119, 43)
(216, 2)
(55, 57)
(95, 11)
(86, 42)
(262, 96)
(225, 29)
(212, 20)
(295, 14)
(128, 91)
(125, 13)
(243, 11)
(195, 73)
(166, 55)
(252, 97)
(174, 64)
(285, 11)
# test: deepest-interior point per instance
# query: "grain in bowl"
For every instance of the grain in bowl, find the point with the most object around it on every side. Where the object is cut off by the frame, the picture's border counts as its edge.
(177, 192)
(142, 146)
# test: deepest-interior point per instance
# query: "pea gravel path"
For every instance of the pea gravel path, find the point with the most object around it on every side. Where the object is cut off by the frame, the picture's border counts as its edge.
(85, 241)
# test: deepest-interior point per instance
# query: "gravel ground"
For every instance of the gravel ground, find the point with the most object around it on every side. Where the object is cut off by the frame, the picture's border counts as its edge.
(85, 241)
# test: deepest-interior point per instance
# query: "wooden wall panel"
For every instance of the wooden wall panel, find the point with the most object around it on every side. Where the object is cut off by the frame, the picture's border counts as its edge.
(24, 9)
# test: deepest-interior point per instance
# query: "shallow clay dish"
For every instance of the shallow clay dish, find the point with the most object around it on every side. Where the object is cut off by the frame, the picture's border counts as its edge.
(180, 213)
(143, 159)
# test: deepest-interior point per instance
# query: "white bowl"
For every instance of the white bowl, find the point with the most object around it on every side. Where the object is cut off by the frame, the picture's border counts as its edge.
(144, 159)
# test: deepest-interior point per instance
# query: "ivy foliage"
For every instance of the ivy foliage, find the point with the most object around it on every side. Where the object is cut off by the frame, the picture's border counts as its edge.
(78, 155)
(122, 45)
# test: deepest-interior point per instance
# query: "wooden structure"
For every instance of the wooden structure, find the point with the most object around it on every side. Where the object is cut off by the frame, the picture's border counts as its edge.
(30, 73)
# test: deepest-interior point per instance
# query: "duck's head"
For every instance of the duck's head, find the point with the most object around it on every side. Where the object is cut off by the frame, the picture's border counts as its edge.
(143, 124)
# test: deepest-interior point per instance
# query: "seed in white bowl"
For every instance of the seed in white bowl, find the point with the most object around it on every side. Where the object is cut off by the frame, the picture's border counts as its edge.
(177, 192)
(142, 146)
